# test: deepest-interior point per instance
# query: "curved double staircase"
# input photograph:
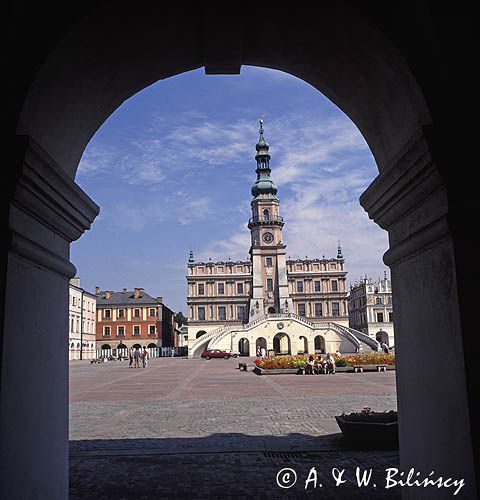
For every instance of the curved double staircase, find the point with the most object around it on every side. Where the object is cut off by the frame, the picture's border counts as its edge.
(211, 339)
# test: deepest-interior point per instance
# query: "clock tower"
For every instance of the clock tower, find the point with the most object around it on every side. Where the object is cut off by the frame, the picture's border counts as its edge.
(269, 287)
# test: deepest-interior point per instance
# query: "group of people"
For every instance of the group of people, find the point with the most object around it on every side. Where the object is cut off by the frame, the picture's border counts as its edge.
(261, 352)
(320, 365)
(137, 356)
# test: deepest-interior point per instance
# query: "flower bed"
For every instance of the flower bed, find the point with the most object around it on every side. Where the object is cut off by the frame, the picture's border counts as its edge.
(279, 362)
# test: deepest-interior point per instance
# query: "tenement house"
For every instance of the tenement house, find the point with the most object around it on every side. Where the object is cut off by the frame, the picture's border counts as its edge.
(132, 318)
(285, 305)
(81, 322)
(371, 309)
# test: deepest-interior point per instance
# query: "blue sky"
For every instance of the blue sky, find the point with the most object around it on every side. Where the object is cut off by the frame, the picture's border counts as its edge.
(172, 170)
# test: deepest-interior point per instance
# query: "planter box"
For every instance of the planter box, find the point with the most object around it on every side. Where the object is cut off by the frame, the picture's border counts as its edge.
(277, 371)
(369, 435)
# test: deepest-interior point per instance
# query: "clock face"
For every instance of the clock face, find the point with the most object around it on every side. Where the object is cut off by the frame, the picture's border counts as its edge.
(268, 237)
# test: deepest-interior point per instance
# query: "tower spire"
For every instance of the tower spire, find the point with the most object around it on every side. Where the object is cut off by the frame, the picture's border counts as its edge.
(190, 258)
(339, 251)
(264, 187)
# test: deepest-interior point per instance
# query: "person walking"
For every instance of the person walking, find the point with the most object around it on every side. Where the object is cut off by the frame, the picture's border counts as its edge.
(144, 357)
(136, 358)
(263, 352)
(130, 357)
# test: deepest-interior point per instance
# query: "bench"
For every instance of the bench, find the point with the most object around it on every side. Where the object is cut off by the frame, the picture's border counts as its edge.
(381, 368)
(245, 366)
(357, 369)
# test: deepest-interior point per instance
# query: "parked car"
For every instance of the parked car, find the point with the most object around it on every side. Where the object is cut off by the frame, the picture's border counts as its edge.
(215, 353)
(234, 354)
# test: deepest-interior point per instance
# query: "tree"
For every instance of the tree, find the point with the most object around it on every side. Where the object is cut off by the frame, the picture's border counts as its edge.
(180, 319)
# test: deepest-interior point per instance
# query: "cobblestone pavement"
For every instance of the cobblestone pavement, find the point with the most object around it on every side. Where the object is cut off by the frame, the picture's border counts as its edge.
(203, 429)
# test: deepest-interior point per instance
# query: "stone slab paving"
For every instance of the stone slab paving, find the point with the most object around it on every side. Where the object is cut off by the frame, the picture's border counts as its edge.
(195, 427)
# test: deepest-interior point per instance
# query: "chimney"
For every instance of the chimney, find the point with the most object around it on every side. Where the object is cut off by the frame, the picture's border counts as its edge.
(97, 290)
(160, 300)
(136, 293)
(107, 294)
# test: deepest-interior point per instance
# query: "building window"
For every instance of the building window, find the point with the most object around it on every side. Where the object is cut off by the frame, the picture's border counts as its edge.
(106, 330)
(241, 312)
(152, 312)
(136, 330)
(378, 300)
(222, 313)
(389, 299)
(318, 310)
(239, 288)
(266, 215)
(201, 313)
(379, 317)
(221, 288)
(317, 286)
(120, 313)
(299, 286)
(390, 317)
(268, 262)
(301, 309)
(269, 285)
(152, 330)
(334, 284)
(335, 309)
(136, 313)
(201, 289)
(120, 330)
(107, 313)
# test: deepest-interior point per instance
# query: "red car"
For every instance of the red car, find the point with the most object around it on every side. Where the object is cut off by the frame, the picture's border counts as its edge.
(215, 353)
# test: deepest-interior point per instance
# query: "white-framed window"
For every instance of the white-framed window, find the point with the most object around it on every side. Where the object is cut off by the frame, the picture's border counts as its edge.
(136, 330)
(301, 309)
(152, 312)
(120, 313)
(222, 313)
(120, 330)
(136, 313)
(106, 331)
(107, 313)
(152, 330)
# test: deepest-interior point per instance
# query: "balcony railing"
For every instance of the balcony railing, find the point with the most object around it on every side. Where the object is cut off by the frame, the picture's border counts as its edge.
(276, 219)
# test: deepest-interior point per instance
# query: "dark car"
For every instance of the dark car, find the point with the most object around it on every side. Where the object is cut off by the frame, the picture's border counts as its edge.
(215, 353)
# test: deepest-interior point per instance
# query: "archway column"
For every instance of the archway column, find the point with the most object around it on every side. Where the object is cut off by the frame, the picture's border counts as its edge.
(410, 201)
(47, 213)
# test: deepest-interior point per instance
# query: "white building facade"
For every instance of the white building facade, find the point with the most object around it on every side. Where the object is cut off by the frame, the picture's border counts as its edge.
(82, 320)
(287, 306)
(370, 306)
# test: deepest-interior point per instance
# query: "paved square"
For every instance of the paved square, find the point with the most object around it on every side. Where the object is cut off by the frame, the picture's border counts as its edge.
(183, 420)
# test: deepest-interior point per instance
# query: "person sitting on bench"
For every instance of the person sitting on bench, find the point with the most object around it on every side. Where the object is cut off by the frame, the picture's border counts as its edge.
(330, 361)
(320, 365)
(309, 366)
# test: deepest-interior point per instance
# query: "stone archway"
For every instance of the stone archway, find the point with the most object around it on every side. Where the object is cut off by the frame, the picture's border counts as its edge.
(244, 346)
(90, 69)
(259, 343)
(200, 333)
(282, 343)
(303, 344)
(319, 343)
(382, 337)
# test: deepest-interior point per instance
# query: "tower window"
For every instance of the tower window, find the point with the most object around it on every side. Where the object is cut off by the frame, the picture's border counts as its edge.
(221, 288)
(379, 317)
(300, 286)
(269, 285)
(268, 262)
(317, 286)
(201, 313)
(266, 215)
(201, 289)
(239, 288)
(334, 284)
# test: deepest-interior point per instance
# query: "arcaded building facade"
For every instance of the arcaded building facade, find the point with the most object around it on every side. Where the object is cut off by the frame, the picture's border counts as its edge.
(268, 288)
